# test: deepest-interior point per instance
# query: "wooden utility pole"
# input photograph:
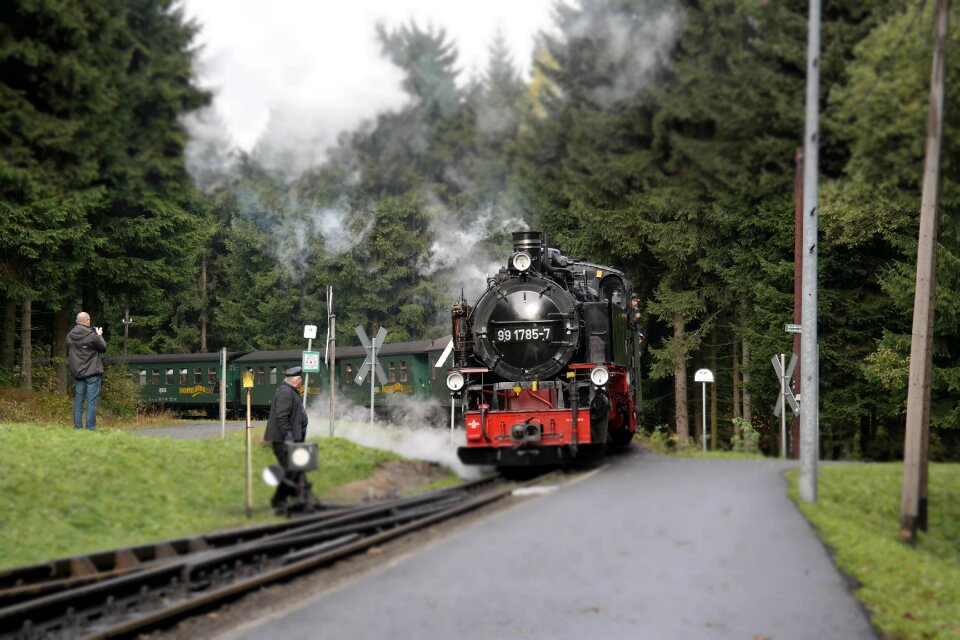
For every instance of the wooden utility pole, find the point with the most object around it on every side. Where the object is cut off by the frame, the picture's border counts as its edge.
(913, 505)
(126, 329)
(797, 293)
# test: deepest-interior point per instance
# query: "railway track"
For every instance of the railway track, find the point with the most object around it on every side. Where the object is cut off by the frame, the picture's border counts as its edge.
(121, 592)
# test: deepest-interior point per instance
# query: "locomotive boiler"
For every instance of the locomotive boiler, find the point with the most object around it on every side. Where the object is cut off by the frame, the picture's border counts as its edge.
(543, 363)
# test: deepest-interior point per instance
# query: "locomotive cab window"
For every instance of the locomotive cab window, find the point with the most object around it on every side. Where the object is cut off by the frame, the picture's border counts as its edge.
(404, 374)
(155, 376)
(169, 376)
(143, 376)
(273, 375)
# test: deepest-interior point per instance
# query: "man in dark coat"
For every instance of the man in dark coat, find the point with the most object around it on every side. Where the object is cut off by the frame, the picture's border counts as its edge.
(287, 423)
(84, 346)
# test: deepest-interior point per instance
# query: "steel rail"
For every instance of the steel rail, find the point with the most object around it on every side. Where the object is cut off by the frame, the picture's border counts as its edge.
(70, 612)
(19, 584)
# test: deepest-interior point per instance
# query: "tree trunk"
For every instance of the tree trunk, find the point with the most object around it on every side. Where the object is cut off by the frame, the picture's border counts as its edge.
(680, 385)
(747, 415)
(9, 340)
(203, 303)
(58, 350)
(737, 413)
(26, 348)
(713, 393)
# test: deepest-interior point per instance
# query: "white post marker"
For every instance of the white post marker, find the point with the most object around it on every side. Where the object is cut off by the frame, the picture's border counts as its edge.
(223, 393)
(704, 376)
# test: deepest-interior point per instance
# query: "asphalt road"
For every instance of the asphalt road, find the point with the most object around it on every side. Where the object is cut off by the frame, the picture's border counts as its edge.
(646, 547)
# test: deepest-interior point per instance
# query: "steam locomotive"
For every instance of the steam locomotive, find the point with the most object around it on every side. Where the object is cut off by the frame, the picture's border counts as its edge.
(544, 362)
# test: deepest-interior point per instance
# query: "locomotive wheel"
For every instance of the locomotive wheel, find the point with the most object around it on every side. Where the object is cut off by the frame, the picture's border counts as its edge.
(620, 439)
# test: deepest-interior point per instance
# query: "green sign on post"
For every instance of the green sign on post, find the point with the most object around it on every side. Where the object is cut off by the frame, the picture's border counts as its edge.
(311, 362)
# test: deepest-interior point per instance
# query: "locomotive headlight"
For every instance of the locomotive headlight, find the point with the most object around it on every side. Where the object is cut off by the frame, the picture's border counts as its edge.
(599, 376)
(455, 381)
(522, 261)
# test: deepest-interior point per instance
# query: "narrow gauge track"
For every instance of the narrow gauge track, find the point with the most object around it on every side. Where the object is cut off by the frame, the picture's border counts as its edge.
(126, 593)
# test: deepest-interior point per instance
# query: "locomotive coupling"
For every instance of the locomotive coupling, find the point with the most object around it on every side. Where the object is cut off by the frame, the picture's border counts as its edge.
(526, 431)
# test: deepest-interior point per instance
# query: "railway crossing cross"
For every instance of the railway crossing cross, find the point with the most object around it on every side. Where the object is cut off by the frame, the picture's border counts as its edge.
(371, 361)
(785, 392)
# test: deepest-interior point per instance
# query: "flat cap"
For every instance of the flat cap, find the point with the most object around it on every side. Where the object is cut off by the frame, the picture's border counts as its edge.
(293, 371)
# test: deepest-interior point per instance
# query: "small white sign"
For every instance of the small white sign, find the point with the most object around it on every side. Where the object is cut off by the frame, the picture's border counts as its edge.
(703, 375)
(311, 362)
(310, 331)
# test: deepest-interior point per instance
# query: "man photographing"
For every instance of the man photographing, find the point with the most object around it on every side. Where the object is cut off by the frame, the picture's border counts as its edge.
(84, 346)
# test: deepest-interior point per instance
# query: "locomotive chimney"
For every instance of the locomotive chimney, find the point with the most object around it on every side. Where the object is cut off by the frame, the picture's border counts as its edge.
(530, 241)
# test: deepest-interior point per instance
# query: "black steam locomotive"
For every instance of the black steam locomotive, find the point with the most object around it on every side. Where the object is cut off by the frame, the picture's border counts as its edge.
(544, 362)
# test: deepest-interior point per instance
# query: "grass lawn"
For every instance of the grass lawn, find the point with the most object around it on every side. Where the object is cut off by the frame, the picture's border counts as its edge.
(910, 592)
(64, 492)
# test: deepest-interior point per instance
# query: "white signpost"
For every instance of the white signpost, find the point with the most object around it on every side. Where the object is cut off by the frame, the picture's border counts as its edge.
(704, 376)
(784, 373)
(309, 332)
(371, 361)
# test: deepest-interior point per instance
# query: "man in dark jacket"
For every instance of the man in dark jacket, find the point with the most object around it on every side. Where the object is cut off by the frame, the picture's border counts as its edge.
(287, 423)
(84, 346)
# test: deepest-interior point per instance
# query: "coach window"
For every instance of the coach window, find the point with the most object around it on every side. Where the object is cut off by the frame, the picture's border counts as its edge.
(169, 376)
(403, 371)
(198, 376)
(273, 375)
(143, 377)
(392, 371)
(347, 374)
(212, 375)
(259, 375)
(155, 376)
(184, 377)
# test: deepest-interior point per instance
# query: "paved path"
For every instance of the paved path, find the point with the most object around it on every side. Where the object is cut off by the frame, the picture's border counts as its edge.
(647, 547)
(197, 430)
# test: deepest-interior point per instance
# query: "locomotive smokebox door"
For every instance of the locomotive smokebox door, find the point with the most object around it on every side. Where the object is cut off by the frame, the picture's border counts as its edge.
(526, 329)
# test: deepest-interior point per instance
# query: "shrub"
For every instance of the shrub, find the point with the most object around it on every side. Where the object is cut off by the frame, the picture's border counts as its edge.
(746, 439)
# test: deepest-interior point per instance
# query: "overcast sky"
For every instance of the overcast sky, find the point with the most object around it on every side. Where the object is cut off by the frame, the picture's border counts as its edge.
(285, 67)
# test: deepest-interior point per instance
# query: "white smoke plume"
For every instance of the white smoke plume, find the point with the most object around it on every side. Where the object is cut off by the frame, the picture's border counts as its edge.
(421, 434)
(638, 47)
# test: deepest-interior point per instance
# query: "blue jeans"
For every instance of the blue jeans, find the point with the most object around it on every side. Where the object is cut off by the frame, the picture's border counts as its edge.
(88, 388)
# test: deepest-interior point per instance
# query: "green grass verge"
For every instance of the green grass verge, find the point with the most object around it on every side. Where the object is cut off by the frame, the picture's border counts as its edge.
(64, 492)
(910, 592)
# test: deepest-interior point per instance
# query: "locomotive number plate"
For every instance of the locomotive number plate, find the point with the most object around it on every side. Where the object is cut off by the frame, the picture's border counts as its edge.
(523, 335)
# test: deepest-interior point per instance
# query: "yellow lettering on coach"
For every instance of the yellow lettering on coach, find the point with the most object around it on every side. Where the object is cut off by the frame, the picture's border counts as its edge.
(193, 392)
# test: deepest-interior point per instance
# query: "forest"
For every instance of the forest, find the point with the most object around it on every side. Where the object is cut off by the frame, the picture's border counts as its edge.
(658, 137)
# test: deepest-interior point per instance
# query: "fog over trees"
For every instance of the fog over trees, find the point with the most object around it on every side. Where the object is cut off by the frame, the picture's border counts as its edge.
(654, 136)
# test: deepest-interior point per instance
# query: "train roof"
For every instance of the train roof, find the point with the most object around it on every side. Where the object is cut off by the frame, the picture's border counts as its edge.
(416, 346)
(169, 358)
